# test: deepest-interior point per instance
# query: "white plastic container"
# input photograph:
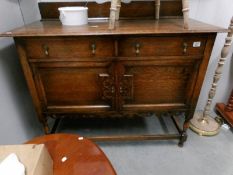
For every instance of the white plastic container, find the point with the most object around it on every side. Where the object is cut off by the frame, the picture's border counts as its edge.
(73, 16)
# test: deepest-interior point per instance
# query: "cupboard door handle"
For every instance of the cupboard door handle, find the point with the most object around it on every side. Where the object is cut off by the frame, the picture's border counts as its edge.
(93, 47)
(107, 86)
(46, 50)
(126, 87)
(137, 48)
(185, 47)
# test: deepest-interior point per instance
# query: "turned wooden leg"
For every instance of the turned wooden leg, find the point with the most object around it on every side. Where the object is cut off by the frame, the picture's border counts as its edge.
(219, 70)
(118, 9)
(113, 14)
(45, 125)
(229, 106)
(225, 111)
(185, 11)
(183, 134)
(56, 124)
(157, 9)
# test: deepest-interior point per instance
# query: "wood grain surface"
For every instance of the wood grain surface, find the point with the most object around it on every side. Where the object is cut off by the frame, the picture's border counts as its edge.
(142, 66)
(132, 10)
(83, 156)
(123, 27)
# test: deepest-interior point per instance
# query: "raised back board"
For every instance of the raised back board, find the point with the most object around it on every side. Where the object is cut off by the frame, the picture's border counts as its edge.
(132, 10)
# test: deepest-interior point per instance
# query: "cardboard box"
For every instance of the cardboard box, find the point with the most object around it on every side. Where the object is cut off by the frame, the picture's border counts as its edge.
(35, 158)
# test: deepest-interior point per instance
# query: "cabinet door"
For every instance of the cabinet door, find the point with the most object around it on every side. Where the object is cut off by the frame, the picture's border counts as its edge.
(83, 86)
(158, 84)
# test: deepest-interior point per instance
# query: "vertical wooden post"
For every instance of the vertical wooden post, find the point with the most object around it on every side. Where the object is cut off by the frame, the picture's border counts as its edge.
(229, 106)
(157, 9)
(219, 69)
(113, 14)
(118, 9)
(185, 11)
(203, 123)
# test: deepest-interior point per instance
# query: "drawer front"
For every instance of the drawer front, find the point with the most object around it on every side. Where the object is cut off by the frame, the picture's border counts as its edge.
(69, 47)
(161, 46)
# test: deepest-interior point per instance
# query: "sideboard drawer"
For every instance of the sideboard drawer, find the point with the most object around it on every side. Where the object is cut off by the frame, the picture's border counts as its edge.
(161, 46)
(76, 47)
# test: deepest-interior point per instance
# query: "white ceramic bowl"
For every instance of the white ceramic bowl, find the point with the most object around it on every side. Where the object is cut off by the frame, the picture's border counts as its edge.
(73, 16)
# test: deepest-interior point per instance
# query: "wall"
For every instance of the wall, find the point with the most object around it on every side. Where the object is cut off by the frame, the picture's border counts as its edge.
(17, 117)
(30, 10)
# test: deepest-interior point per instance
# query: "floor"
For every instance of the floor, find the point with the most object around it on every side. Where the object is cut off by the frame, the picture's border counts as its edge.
(199, 156)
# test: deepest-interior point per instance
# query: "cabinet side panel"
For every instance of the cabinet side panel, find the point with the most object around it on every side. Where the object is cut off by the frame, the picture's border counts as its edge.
(202, 72)
(29, 79)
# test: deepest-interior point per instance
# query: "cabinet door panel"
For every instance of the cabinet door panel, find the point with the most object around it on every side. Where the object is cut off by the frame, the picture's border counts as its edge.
(71, 87)
(159, 83)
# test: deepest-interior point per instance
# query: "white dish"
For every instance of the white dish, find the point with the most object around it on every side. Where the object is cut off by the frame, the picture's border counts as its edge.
(73, 16)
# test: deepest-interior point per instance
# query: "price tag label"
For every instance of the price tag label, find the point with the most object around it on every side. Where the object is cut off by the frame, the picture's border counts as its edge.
(197, 44)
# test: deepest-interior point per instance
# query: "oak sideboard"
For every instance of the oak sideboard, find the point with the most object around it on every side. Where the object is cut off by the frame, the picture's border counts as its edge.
(142, 66)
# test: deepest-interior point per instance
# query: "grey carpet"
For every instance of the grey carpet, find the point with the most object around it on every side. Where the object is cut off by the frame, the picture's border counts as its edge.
(199, 156)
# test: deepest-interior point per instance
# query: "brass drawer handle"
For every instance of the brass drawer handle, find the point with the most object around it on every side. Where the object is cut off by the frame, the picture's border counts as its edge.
(93, 47)
(113, 89)
(121, 90)
(137, 48)
(185, 47)
(46, 50)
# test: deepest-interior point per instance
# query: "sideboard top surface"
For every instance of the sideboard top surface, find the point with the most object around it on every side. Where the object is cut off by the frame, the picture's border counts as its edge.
(123, 27)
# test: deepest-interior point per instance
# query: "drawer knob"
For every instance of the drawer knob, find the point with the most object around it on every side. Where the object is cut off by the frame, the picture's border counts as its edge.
(137, 48)
(121, 90)
(113, 89)
(185, 47)
(93, 48)
(46, 50)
